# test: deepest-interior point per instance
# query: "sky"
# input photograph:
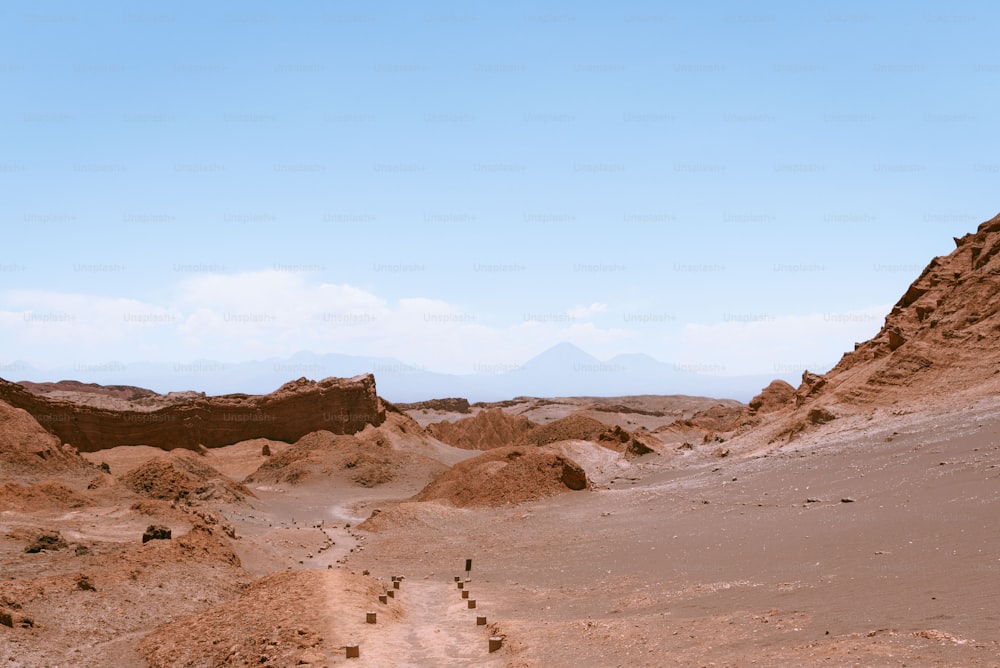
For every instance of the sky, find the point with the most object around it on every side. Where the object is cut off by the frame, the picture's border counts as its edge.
(728, 187)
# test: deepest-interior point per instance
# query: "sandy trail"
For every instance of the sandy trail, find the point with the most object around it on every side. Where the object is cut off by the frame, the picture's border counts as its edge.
(426, 624)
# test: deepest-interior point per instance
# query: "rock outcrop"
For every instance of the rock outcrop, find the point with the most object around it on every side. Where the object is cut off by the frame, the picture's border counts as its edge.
(341, 406)
(368, 459)
(46, 540)
(488, 429)
(503, 476)
(181, 477)
(156, 532)
(449, 405)
(939, 342)
(941, 333)
(30, 453)
(775, 396)
(579, 427)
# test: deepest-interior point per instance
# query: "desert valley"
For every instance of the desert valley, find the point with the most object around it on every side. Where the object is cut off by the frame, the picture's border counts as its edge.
(849, 521)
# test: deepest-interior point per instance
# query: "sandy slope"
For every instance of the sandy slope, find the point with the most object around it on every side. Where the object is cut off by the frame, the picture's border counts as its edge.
(688, 566)
(682, 558)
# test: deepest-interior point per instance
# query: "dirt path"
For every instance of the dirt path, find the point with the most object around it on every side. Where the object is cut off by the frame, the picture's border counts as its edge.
(433, 626)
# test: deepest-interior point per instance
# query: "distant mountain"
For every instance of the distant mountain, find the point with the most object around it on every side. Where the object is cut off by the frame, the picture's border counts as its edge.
(563, 370)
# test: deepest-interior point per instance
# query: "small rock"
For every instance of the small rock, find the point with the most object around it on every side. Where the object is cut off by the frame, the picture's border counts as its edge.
(811, 500)
(47, 540)
(847, 499)
(156, 532)
(83, 583)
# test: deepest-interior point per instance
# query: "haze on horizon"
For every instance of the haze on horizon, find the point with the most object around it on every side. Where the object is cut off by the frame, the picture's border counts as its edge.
(462, 186)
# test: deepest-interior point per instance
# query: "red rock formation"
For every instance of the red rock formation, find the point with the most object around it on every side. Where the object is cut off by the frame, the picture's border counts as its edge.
(585, 428)
(488, 429)
(503, 476)
(341, 406)
(29, 453)
(449, 405)
(775, 396)
(942, 332)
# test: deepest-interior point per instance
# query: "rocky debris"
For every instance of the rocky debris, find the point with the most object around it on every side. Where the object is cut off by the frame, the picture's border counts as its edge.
(775, 396)
(626, 410)
(83, 583)
(503, 476)
(580, 427)
(46, 540)
(343, 406)
(95, 395)
(41, 495)
(491, 428)
(156, 532)
(811, 384)
(181, 476)
(29, 452)
(820, 415)
(449, 405)
(942, 331)
(203, 544)
(620, 440)
(10, 619)
(716, 419)
(367, 459)
(276, 621)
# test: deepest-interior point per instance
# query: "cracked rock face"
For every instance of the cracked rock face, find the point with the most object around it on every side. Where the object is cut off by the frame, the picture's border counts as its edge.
(341, 406)
(943, 329)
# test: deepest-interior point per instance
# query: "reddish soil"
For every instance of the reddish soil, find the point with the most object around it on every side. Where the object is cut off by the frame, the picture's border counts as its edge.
(505, 476)
(849, 523)
(491, 428)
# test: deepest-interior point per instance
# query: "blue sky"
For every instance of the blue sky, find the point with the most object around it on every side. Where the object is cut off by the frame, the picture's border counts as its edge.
(743, 188)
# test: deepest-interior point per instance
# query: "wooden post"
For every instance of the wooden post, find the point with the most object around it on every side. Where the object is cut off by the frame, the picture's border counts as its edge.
(370, 617)
(461, 585)
(391, 594)
(395, 584)
(472, 603)
(465, 593)
(495, 642)
(383, 598)
(481, 620)
(457, 578)
(353, 652)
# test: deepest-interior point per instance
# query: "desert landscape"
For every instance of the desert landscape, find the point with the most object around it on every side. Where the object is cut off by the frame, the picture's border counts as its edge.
(849, 521)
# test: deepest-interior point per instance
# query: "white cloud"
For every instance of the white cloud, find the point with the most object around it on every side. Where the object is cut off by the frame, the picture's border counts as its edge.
(584, 312)
(779, 345)
(237, 317)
